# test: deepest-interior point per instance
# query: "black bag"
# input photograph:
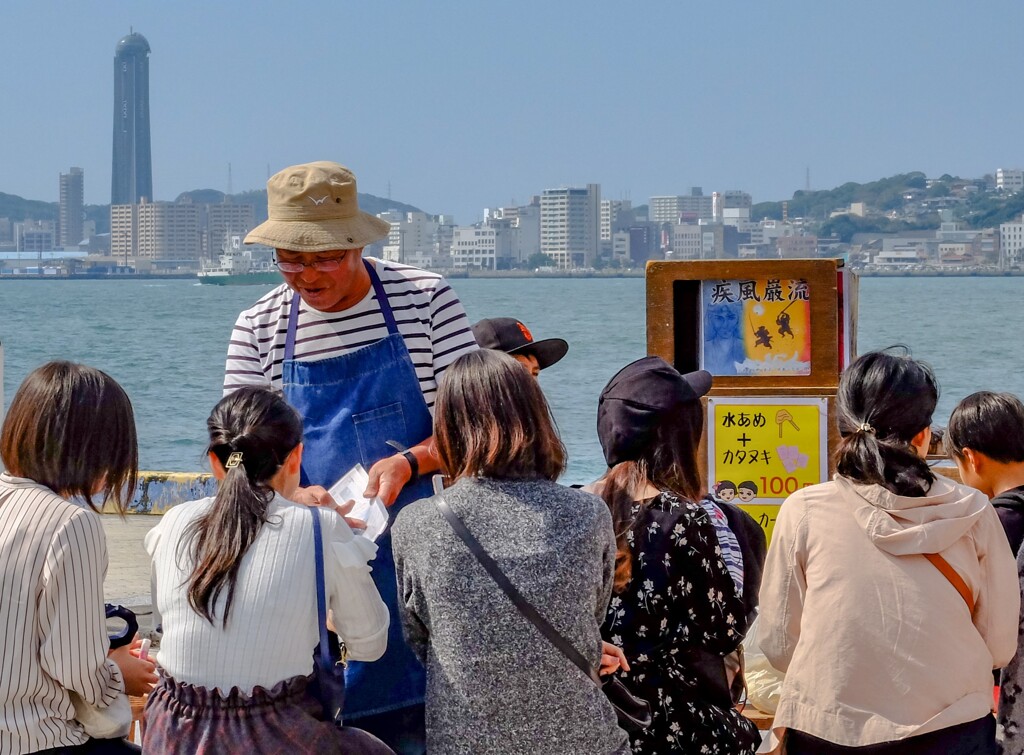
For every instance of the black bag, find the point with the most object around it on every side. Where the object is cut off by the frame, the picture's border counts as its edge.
(712, 681)
(633, 713)
(328, 667)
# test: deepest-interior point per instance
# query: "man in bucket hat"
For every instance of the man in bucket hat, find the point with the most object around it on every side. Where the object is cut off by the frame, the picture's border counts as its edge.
(357, 345)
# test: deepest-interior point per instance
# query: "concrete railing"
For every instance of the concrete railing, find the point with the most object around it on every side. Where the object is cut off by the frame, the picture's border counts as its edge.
(159, 491)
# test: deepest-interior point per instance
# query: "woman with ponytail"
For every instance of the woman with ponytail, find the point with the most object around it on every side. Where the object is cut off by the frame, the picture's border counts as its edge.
(675, 610)
(889, 594)
(234, 585)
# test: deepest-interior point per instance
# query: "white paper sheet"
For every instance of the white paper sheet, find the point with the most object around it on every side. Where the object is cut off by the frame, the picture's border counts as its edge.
(370, 510)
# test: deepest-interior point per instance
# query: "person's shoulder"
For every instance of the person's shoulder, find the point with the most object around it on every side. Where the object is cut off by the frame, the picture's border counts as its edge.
(674, 505)
(583, 498)
(415, 520)
(822, 491)
(400, 278)
(1011, 500)
(181, 514)
(268, 305)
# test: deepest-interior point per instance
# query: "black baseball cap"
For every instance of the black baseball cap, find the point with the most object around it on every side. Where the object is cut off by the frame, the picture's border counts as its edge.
(638, 399)
(510, 335)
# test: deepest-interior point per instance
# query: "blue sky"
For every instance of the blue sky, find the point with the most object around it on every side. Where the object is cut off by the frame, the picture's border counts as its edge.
(463, 105)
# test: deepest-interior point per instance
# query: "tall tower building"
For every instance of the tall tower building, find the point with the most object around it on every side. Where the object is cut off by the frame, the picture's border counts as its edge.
(72, 200)
(132, 174)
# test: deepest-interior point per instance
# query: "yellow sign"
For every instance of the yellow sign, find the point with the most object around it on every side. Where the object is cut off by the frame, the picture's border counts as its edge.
(762, 450)
(764, 515)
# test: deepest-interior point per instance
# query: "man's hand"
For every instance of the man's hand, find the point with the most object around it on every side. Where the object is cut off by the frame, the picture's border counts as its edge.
(139, 675)
(387, 478)
(315, 495)
(612, 659)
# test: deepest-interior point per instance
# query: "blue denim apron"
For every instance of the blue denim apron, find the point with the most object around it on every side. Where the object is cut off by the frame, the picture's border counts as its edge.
(350, 406)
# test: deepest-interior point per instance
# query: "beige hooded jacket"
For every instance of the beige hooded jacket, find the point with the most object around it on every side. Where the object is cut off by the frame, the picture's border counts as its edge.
(876, 643)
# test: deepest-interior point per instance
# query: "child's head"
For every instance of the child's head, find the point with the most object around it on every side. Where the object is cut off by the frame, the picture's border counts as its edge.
(885, 405)
(726, 490)
(259, 428)
(255, 450)
(985, 433)
(746, 491)
(71, 428)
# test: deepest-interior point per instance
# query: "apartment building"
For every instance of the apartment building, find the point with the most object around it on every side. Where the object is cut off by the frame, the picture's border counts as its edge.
(570, 225)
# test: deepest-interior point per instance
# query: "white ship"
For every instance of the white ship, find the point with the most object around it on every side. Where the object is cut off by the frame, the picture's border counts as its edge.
(241, 266)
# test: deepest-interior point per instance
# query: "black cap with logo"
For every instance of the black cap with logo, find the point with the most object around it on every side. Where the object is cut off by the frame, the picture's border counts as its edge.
(641, 396)
(511, 336)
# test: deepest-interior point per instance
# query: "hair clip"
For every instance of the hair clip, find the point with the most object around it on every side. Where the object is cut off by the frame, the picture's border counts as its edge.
(234, 460)
(866, 428)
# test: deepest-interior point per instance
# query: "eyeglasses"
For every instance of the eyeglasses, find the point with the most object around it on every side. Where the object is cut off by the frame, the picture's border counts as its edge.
(321, 266)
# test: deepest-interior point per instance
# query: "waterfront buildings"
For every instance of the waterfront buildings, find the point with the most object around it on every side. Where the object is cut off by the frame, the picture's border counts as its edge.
(219, 222)
(1009, 180)
(687, 241)
(797, 247)
(132, 169)
(35, 236)
(484, 247)
(165, 232)
(570, 225)
(411, 238)
(664, 209)
(683, 208)
(72, 203)
(523, 223)
(1011, 244)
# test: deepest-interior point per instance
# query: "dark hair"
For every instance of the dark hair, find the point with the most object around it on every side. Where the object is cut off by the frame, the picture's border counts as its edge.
(725, 485)
(989, 423)
(669, 462)
(257, 424)
(884, 400)
(72, 429)
(492, 420)
(752, 487)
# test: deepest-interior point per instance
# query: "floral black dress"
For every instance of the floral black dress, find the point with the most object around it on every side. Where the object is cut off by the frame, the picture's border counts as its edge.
(680, 595)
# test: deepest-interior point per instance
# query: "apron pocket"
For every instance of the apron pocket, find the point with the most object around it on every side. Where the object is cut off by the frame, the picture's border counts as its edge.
(375, 427)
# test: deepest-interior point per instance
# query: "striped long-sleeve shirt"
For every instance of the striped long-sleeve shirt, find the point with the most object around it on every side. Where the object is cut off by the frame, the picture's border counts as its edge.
(53, 558)
(427, 311)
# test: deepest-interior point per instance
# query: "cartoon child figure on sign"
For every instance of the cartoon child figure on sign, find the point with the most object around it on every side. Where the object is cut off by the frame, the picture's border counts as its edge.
(726, 490)
(746, 491)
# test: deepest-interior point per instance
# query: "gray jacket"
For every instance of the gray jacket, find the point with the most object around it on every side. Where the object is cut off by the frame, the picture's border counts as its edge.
(494, 683)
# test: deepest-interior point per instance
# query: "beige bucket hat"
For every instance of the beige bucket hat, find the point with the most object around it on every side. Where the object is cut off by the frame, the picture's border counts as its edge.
(314, 208)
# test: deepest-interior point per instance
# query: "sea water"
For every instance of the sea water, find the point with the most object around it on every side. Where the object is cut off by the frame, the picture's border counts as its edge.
(165, 341)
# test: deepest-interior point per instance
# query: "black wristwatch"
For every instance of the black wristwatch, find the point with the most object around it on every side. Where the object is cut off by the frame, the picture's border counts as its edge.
(414, 465)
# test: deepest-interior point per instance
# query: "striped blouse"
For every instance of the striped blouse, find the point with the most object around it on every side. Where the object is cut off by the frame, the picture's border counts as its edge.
(53, 558)
(427, 311)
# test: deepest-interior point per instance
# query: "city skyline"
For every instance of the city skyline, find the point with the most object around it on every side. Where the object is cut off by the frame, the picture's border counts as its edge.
(456, 109)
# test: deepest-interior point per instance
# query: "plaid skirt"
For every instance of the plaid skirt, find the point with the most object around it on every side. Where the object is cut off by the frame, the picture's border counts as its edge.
(182, 718)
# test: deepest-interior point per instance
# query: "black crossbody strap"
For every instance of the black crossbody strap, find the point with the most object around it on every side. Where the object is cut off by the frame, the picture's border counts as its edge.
(550, 633)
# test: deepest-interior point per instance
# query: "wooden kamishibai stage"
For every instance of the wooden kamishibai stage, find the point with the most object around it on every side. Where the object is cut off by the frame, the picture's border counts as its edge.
(775, 334)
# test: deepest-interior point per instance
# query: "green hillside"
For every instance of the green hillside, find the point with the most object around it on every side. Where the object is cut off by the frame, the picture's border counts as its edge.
(884, 195)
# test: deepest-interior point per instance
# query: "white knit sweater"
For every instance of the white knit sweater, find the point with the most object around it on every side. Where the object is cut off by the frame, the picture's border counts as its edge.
(272, 628)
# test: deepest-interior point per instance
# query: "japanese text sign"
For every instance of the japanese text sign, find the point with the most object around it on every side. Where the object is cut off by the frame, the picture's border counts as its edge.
(756, 327)
(762, 450)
